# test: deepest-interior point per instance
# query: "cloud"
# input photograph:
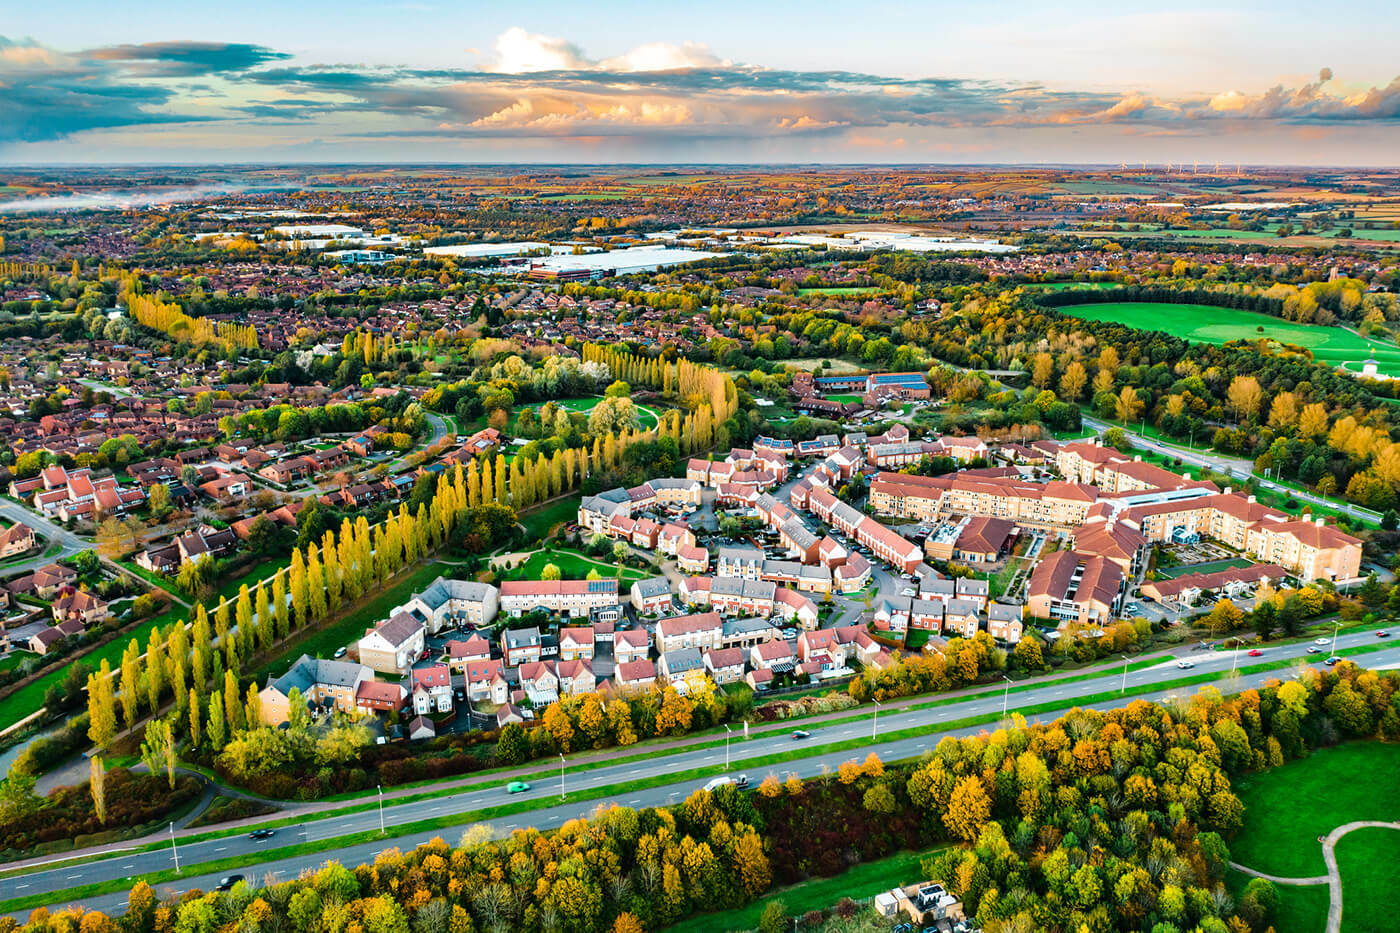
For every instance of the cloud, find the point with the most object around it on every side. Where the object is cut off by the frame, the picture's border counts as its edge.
(185, 59)
(549, 88)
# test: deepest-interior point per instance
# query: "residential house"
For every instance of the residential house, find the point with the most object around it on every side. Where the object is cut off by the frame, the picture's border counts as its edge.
(316, 680)
(394, 644)
(431, 689)
(520, 646)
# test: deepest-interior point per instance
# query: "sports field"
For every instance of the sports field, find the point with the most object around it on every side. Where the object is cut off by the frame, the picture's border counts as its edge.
(1207, 324)
(1171, 573)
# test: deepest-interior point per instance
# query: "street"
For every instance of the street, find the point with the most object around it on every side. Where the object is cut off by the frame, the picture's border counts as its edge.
(109, 862)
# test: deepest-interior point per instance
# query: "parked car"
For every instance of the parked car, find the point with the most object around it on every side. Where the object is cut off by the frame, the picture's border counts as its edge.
(801, 734)
(262, 834)
(517, 787)
(227, 882)
(340, 652)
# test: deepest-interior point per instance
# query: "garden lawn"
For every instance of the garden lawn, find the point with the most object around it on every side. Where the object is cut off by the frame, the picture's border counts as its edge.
(1206, 324)
(573, 566)
(1366, 859)
(322, 642)
(861, 882)
(1287, 808)
(844, 399)
(1171, 573)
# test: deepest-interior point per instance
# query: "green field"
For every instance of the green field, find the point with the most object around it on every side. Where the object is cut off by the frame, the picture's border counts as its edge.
(1207, 324)
(540, 521)
(843, 399)
(1171, 573)
(1366, 859)
(1286, 809)
(645, 416)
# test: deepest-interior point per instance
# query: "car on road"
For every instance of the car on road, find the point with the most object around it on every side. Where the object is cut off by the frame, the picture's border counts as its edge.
(1332, 660)
(1382, 634)
(517, 787)
(1255, 652)
(716, 783)
(801, 734)
(1314, 649)
(227, 882)
(262, 834)
(1319, 641)
(340, 652)
(1185, 665)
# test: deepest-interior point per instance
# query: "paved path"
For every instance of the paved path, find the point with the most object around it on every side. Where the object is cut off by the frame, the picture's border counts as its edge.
(1333, 878)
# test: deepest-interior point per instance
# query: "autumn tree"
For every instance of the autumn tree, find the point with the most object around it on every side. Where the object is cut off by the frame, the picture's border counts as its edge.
(968, 808)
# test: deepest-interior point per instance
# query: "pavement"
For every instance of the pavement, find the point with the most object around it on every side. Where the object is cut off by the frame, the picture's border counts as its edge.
(1333, 878)
(118, 862)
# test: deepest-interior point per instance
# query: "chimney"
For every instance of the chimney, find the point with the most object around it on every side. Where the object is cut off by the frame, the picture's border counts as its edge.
(1318, 521)
(1186, 476)
(1137, 458)
(1229, 489)
(1250, 500)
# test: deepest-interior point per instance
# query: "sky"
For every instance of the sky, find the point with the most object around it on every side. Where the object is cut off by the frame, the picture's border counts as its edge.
(759, 81)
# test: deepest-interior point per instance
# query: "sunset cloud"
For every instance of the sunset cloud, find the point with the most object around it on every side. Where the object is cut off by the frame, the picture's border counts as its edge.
(549, 87)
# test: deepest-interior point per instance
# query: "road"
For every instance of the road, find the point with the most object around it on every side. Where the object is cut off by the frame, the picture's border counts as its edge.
(70, 542)
(1234, 466)
(108, 863)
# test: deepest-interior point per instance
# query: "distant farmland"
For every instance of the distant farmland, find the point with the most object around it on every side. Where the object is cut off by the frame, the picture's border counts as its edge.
(1208, 324)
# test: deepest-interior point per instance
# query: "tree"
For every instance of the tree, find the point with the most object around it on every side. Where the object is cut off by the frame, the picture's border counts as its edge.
(159, 501)
(1313, 421)
(196, 716)
(158, 750)
(512, 745)
(1129, 406)
(1244, 397)
(1072, 382)
(155, 669)
(774, 918)
(1028, 654)
(218, 735)
(550, 572)
(968, 809)
(130, 688)
(1225, 617)
(102, 708)
(97, 784)
(300, 596)
(556, 721)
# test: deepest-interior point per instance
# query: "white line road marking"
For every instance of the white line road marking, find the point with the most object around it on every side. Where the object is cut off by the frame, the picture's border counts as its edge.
(221, 848)
(20, 887)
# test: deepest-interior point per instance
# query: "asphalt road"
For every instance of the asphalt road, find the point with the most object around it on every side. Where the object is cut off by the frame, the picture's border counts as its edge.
(46, 529)
(111, 863)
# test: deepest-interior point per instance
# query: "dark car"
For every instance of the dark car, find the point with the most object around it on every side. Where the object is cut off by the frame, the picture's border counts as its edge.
(227, 882)
(1382, 634)
(800, 734)
(262, 834)
(1333, 660)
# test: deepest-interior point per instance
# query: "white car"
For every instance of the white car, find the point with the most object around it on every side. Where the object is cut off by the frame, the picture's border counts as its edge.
(1320, 641)
(1185, 665)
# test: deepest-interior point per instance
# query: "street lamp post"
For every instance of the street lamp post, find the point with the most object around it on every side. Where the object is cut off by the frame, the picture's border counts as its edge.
(1124, 687)
(727, 733)
(874, 718)
(173, 850)
(562, 795)
(1336, 627)
(380, 788)
(1006, 695)
(1235, 661)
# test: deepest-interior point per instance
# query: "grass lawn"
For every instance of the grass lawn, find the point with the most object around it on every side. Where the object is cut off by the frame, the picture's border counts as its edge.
(1287, 808)
(573, 566)
(646, 417)
(844, 399)
(30, 697)
(1207, 324)
(260, 571)
(1301, 908)
(539, 522)
(322, 642)
(1171, 573)
(1366, 859)
(861, 881)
